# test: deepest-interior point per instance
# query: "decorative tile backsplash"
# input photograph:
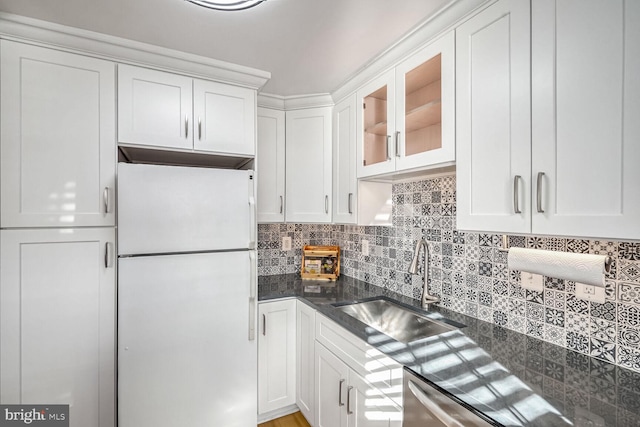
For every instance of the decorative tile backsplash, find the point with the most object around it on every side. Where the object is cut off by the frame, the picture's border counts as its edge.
(469, 272)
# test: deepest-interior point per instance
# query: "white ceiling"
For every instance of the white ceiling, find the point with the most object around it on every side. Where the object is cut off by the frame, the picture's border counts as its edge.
(309, 46)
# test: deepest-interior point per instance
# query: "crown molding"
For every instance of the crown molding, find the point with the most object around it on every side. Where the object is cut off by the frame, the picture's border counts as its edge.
(451, 15)
(117, 49)
(296, 102)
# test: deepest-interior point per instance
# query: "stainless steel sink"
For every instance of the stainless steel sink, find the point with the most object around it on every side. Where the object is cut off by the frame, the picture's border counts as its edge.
(391, 319)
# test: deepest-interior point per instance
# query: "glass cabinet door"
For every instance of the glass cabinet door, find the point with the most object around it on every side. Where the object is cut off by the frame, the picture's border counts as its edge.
(425, 115)
(376, 118)
(376, 146)
(422, 108)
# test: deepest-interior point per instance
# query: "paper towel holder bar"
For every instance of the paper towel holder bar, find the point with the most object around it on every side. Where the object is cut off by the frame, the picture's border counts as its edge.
(608, 261)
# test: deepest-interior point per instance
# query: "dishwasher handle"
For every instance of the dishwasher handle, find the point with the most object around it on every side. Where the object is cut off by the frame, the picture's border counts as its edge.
(433, 407)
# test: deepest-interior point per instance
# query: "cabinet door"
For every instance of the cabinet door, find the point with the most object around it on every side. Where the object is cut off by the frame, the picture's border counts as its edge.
(57, 317)
(308, 165)
(345, 184)
(154, 108)
(332, 376)
(585, 109)
(58, 148)
(425, 106)
(277, 355)
(271, 165)
(493, 119)
(305, 339)
(224, 118)
(363, 410)
(376, 126)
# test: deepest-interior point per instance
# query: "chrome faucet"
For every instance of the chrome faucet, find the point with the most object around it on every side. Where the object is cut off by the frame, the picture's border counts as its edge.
(427, 298)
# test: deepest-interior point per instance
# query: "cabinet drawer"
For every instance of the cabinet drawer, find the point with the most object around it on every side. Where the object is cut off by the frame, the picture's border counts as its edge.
(380, 370)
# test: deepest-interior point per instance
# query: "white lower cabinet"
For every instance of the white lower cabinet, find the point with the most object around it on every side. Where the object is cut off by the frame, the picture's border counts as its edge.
(305, 340)
(276, 355)
(344, 398)
(356, 385)
(57, 321)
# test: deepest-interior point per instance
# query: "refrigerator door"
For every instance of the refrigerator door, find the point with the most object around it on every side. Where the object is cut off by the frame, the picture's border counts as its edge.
(184, 353)
(172, 209)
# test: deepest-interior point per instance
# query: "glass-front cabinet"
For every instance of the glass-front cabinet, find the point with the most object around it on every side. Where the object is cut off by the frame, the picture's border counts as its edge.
(407, 116)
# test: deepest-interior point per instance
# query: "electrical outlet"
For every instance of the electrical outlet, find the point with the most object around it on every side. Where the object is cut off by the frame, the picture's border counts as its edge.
(365, 247)
(286, 243)
(532, 281)
(590, 293)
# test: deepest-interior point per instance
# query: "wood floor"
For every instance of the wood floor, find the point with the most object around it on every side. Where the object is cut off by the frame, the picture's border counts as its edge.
(294, 420)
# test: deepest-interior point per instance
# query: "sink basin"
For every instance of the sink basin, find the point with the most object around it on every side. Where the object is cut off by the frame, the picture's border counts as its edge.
(400, 323)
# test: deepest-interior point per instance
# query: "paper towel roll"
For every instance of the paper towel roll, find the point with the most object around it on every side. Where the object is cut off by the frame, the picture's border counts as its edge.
(583, 268)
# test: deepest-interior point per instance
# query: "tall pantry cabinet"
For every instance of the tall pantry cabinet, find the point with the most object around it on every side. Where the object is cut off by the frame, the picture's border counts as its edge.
(57, 275)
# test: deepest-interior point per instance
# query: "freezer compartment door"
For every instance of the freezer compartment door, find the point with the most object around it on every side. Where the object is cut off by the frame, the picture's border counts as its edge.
(171, 209)
(184, 353)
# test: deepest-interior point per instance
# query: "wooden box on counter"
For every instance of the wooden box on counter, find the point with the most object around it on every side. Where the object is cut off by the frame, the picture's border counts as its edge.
(320, 262)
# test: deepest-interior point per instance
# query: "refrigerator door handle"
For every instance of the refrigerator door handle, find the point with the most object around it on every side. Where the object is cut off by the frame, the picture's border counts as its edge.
(252, 296)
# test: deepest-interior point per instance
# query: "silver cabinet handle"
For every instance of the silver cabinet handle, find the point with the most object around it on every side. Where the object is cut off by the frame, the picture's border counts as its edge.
(349, 411)
(199, 128)
(433, 407)
(264, 324)
(516, 194)
(349, 203)
(105, 197)
(108, 255)
(326, 204)
(186, 126)
(397, 143)
(388, 139)
(340, 402)
(281, 204)
(539, 192)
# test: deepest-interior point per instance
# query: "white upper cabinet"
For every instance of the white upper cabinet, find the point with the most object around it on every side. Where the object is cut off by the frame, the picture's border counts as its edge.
(493, 119)
(154, 108)
(556, 152)
(161, 109)
(271, 161)
(585, 110)
(345, 184)
(58, 149)
(308, 165)
(224, 118)
(407, 117)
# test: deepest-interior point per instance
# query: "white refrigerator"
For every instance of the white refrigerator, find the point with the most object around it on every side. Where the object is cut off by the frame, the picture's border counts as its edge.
(187, 353)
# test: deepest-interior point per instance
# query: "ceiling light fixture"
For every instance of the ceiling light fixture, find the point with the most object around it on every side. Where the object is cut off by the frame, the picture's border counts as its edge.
(227, 4)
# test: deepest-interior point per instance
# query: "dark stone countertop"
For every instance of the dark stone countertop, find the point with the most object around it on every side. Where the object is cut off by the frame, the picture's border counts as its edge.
(514, 379)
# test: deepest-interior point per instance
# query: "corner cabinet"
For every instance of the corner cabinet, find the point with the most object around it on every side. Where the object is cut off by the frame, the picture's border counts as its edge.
(58, 149)
(308, 165)
(406, 119)
(271, 165)
(556, 153)
(57, 321)
(276, 355)
(167, 110)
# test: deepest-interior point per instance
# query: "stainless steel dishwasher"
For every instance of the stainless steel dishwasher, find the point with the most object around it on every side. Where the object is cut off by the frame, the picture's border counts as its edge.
(426, 406)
